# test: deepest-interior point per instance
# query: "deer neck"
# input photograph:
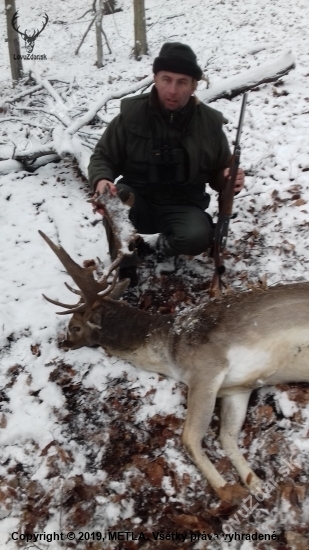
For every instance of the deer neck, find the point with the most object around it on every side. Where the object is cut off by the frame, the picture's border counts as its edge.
(139, 337)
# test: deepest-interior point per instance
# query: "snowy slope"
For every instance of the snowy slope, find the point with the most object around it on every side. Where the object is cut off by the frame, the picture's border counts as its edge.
(88, 443)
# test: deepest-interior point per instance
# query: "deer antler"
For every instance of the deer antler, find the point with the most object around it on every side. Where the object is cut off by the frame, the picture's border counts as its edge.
(14, 22)
(82, 276)
(36, 34)
(116, 211)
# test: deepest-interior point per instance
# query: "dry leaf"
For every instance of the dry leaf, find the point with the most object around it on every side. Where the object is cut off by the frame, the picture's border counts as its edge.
(296, 541)
(35, 350)
(300, 202)
(154, 473)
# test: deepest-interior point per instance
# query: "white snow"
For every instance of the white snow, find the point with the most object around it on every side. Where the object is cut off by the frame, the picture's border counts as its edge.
(287, 406)
(270, 232)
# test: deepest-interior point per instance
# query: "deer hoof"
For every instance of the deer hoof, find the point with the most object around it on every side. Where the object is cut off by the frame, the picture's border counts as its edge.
(254, 484)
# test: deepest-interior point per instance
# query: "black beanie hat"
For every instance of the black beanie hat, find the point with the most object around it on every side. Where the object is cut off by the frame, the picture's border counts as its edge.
(177, 58)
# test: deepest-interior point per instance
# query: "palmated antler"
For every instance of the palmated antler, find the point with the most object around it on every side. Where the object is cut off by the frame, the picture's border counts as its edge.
(90, 289)
(116, 211)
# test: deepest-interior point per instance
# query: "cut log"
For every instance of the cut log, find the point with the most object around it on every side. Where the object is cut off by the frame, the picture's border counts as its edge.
(243, 82)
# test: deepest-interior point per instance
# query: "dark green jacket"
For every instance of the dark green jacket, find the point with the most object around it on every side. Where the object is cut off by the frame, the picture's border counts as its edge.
(126, 145)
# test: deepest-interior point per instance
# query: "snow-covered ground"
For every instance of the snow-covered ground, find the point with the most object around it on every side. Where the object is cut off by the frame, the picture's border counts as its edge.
(65, 417)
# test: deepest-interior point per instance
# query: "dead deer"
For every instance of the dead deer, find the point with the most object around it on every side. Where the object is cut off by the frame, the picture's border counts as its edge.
(225, 348)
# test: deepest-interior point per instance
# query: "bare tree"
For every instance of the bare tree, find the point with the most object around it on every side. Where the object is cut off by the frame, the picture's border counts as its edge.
(140, 40)
(98, 19)
(98, 32)
(13, 42)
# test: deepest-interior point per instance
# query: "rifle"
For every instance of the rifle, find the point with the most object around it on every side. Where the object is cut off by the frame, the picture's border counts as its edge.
(226, 199)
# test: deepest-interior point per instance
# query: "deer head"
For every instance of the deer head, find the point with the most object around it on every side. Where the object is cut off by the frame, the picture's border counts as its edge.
(92, 292)
(29, 39)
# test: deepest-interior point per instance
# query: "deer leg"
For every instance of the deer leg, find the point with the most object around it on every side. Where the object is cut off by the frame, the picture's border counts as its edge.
(233, 414)
(201, 403)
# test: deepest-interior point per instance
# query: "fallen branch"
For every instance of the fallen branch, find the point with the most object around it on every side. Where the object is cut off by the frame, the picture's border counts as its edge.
(11, 165)
(38, 110)
(59, 102)
(39, 151)
(22, 94)
(91, 113)
(25, 121)
(235, 85)
(62, 144)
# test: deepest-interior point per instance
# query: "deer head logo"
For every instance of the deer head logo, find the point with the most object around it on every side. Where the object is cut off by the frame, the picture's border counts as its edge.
(28, 38)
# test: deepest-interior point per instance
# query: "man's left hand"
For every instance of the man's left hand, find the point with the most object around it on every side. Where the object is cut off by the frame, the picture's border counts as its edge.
(240, 179)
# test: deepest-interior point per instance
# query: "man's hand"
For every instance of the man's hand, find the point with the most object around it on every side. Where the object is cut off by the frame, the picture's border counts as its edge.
(104, 185)
(240, 179)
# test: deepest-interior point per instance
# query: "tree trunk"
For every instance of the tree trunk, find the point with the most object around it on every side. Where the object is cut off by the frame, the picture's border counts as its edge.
(13, 41)
(98, 31)
(140, 40)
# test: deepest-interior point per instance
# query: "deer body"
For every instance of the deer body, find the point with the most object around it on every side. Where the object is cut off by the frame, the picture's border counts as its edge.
(225, 348)
(222, 349)
(258, 337)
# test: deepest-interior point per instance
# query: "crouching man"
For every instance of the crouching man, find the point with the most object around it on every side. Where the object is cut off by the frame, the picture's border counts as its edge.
(167, 146)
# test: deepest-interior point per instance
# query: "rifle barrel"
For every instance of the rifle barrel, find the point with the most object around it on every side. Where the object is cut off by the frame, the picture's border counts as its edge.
(241, 117)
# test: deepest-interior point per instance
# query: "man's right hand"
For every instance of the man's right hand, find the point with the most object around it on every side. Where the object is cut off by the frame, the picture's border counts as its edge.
(103, 185)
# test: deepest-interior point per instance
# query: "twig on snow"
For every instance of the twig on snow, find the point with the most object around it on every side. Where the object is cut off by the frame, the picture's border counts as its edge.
(22, 94)
(25, 121)
(88, 11)
(41, 111)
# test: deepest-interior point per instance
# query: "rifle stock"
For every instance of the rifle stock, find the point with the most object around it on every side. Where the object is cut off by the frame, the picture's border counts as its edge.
(226, 200)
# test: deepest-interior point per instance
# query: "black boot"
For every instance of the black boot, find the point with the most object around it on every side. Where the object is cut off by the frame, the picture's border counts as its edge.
(129, 272)
(164, 255)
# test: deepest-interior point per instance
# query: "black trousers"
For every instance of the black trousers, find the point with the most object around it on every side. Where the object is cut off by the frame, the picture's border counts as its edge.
(187, 229)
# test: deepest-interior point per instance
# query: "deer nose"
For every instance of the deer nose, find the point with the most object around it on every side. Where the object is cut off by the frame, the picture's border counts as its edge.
(65, 345)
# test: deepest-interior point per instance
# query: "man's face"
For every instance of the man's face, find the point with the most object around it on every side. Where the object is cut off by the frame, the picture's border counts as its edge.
(174, 89)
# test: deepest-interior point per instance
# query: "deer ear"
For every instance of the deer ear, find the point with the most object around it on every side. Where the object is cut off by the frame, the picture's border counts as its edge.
(95, 320)
(119, 289)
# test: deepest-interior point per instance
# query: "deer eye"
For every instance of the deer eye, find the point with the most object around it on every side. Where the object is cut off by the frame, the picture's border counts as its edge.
(75, 329)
